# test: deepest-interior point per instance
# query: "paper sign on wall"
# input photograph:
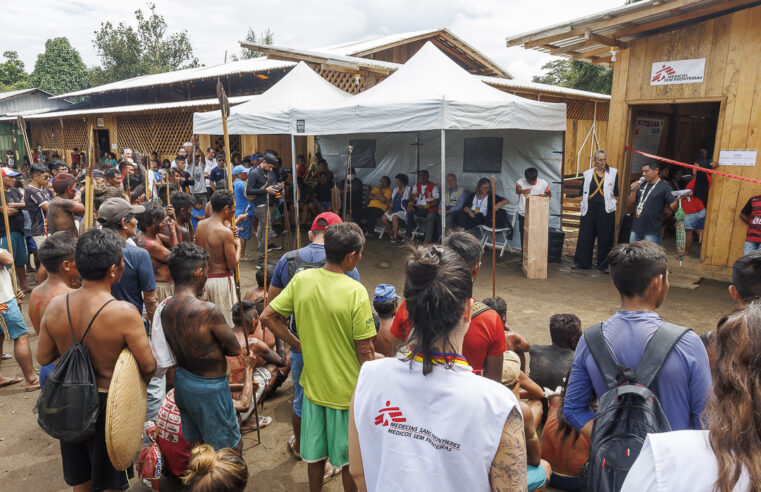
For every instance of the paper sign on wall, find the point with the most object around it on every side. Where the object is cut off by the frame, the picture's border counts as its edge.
(113, 146)
(678, 72)
(647, 138)
(745, 158)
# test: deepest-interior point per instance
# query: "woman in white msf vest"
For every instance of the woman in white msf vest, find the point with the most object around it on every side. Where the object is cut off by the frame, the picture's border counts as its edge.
(426, 421)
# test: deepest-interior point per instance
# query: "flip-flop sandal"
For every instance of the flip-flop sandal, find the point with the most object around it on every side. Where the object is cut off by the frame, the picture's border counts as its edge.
(291, 447)
(33, 387)
(11, 381)
(263, 422)
(330, 473)
(6, 357)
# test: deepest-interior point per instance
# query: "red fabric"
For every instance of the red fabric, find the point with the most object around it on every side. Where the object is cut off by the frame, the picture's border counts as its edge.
(693, 204)
(754, 227)
(301, 171)
(428, 194)
(565, 456)
(174, 448)
(485, 336)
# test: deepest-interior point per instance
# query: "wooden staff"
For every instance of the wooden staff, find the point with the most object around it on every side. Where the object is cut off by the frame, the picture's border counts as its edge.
(63, 143)
(22, 126)
(89, 203)
(493, 238)
(346, 182)
(8, 233)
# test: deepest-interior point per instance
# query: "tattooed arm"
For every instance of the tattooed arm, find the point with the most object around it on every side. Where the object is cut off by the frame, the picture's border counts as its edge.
(508, 470)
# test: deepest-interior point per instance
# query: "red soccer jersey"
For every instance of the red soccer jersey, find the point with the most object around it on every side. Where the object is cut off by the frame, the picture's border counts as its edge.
(485, 336)
(753, 210)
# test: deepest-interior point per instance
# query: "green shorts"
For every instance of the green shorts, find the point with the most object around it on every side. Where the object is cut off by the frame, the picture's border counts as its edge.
(324, 434)
(536, 477)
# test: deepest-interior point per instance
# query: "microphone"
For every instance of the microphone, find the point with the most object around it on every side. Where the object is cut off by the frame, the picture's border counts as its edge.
(641, 181)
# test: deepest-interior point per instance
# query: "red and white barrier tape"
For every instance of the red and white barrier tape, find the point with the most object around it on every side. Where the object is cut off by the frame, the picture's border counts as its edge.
(696, 168)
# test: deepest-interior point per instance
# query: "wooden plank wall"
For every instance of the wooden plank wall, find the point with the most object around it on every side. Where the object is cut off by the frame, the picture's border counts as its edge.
(730, 44)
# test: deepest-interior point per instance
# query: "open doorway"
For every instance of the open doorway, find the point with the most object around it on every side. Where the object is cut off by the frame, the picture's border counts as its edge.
(103, 142)
(684, 132)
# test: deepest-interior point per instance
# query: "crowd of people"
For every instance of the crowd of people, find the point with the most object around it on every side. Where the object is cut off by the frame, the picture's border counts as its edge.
(431, 389)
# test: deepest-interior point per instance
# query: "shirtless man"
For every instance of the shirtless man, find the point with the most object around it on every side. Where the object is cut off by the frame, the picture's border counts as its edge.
(115, 325)
(57, 255)
(63, 208)
(224, 252)
(265, 373)
(150, 223)
(200, 338)
(181, 208)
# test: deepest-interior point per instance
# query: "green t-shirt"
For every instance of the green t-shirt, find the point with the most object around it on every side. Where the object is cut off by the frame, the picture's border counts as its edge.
(332, 310)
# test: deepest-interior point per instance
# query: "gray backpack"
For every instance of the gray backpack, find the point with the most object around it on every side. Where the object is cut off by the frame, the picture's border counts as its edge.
(628, 411)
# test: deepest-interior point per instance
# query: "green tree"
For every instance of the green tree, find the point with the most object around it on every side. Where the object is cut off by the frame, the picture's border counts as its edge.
(126, 51)
(12, 74)
(264, 38)
(59, 69)
(576, 74)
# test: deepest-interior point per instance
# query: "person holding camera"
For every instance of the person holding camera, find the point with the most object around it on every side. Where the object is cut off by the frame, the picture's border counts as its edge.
(260, 185)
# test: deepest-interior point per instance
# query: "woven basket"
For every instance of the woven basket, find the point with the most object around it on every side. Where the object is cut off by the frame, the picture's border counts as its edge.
(125, 411)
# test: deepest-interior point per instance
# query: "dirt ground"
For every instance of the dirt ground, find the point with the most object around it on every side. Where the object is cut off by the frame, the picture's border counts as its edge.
(30, 459)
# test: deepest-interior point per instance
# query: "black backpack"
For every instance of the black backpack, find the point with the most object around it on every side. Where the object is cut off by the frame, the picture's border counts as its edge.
(295, 264)
(69, 404)
(628, 411)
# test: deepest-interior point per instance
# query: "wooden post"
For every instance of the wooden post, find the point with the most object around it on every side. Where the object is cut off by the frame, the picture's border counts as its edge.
(493, 238)
(346, 184)
(295, 185)
(89, 198)
(535, 236)
(63, 143)
(22, 125)
(8, 233)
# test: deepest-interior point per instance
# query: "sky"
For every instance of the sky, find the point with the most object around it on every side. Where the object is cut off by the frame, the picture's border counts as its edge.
(216, 27)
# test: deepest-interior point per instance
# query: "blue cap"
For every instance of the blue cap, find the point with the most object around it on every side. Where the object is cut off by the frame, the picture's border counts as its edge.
(385, 292)
(255, 157)
(239, 169)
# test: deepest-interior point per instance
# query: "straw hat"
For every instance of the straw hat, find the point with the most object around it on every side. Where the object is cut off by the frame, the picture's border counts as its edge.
(511, 368)
(125, 411)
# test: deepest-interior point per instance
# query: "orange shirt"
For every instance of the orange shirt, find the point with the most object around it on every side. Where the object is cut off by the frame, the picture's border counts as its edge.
(565, 456)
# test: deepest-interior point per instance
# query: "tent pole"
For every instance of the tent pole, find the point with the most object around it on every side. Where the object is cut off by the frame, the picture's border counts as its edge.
(442, 207)
(295, 186)
(417, 152)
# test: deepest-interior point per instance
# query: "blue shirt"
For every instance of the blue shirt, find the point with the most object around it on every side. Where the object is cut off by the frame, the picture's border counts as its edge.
(312, 253)
(137, 277)
(241, 202)
(682, 385)
(195, 216)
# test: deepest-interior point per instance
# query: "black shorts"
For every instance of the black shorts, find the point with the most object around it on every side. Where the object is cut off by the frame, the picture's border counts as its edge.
(88, 460)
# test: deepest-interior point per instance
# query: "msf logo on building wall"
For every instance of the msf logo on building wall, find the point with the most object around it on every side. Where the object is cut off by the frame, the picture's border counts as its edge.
(678, 72)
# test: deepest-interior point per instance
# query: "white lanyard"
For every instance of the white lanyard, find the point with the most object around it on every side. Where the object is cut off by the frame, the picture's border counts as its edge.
(481, 203)
(643, 198)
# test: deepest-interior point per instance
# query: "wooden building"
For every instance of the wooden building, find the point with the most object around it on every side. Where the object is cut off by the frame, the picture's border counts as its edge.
(23, 101)
(688, 68)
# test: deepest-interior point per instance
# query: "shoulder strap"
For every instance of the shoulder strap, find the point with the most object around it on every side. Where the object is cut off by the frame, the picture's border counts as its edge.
(68, 313)
(604, 358)
(657, 350)
(93, 318)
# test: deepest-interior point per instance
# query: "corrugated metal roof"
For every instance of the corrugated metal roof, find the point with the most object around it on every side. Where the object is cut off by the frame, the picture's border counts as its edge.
(553, 89)
(353, 47)
(9, 94)
(351, 62)
(591, 37)
(253, 65)
(129, 109)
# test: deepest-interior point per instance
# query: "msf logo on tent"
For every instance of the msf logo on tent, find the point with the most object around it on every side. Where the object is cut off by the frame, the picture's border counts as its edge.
(387, 414)
(663, 73)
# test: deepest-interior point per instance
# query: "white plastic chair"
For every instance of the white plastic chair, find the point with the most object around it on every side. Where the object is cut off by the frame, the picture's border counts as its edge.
(500, 233)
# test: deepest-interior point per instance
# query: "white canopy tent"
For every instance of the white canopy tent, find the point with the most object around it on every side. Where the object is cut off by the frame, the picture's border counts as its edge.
(432, 93)
(269, 113)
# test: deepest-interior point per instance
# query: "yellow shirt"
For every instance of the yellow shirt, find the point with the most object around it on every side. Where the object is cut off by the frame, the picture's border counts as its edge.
(332, 311)
(377, 203)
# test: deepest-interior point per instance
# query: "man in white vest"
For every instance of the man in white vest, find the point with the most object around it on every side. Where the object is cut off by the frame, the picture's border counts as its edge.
(598, 214)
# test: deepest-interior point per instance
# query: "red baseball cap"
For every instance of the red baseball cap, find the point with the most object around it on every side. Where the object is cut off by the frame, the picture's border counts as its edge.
(329, 217)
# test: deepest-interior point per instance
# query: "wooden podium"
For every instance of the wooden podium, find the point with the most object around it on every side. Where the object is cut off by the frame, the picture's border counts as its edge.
(535, 236)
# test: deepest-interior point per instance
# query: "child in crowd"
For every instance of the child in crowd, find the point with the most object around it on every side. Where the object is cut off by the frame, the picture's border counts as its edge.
(549, 364)
(515, 341)
(198, 213)
(539, 470)
(385, 303)
(220, 471)
(563, 447)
